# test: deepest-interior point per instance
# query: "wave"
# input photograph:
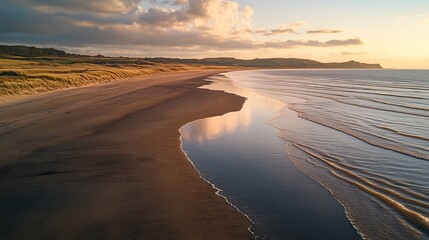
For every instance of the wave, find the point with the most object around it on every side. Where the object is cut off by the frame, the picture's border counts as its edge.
(374, 177)
(420, 220)
(388, 182)
(347, 101)
(343, 168)
(338, 87)
(360, 136)
(344, 99)
(352, 213)
(403, 133)
(399, 105)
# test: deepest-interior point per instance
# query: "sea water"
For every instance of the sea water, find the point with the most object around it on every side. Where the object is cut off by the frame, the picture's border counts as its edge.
(359, 138)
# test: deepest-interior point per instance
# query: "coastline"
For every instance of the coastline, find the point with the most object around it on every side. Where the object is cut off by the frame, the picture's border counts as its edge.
(223, 147)
(350, 169)
(115, 157)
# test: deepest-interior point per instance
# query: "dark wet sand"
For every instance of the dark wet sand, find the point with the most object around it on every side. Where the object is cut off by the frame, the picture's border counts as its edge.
(104, 162)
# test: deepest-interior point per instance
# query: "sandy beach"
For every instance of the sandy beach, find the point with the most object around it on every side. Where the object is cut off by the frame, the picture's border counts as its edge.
(104, 162)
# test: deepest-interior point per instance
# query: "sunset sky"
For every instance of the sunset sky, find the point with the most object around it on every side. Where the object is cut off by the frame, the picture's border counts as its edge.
(394, 33)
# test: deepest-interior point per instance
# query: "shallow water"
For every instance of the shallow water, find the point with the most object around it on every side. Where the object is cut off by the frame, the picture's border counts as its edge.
(241, 154)
(361, 134)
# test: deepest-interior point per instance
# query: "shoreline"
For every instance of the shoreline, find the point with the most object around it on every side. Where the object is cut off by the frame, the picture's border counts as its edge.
(114, 157)
(219, 141)
(218, 190)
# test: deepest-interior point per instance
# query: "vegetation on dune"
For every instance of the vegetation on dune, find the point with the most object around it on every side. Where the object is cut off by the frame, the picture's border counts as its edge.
(19, 77)
(30, 51)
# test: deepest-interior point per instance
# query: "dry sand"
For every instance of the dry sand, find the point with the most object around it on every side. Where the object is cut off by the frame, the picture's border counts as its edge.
(104, 162)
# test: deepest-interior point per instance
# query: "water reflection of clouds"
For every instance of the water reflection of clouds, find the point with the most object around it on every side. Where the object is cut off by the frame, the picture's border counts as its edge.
(210, 128)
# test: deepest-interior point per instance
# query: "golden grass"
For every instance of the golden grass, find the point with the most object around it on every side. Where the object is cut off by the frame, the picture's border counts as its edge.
(18, 77)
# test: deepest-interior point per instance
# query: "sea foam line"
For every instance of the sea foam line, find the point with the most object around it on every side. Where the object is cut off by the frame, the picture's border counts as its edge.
(218, 190)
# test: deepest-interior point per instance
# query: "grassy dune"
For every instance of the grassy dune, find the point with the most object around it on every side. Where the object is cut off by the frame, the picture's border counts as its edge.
(20, 75)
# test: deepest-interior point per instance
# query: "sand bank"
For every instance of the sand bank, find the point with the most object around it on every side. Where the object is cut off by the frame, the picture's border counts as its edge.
(104, 162)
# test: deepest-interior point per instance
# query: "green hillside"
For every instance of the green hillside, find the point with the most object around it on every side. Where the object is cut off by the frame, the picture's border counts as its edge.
(51, 54)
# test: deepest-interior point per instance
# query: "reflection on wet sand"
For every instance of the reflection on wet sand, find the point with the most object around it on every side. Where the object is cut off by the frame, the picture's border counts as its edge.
(208, 129)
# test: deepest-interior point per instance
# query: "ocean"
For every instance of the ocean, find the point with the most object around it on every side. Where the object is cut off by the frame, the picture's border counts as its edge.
(321, 154)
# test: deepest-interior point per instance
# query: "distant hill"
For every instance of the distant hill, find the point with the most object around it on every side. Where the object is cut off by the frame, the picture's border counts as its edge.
(33, 52)
(267, 63)
(24, 51)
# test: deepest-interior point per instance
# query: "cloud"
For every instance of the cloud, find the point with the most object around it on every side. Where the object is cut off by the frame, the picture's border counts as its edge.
(94, 6)
(313, 43)
(282, 29)
(319, 31)
(174, 24)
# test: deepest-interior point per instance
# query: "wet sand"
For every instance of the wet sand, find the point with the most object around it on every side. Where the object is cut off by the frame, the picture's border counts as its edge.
(104, 162)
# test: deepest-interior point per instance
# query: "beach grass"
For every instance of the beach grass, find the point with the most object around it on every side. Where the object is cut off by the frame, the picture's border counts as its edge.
(25, 76)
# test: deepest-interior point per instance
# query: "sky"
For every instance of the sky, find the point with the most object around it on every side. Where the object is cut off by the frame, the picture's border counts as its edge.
(393, 33)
